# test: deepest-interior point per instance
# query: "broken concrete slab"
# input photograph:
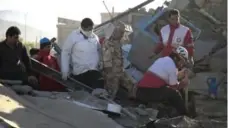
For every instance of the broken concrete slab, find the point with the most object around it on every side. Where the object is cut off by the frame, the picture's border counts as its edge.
(199, 82)
(210, 108)
(203, 48)
(185, 122)
(218, 61)
(71, 112)
(44, 112)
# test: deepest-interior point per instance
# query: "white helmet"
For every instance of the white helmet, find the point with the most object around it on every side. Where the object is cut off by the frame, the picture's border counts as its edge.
(182, 51)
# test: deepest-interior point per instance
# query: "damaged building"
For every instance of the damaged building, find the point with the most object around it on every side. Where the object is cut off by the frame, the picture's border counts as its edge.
(208, 21)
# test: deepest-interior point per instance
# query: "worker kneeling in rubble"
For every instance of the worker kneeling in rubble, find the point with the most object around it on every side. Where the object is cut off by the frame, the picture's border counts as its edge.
(82, 49)
(160, 82)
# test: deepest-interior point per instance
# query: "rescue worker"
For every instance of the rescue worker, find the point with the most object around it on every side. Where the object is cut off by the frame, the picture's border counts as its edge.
(160, 82)
(47, 84)
(113, 62)
(14, 61)
(173, 35)
(82, 51)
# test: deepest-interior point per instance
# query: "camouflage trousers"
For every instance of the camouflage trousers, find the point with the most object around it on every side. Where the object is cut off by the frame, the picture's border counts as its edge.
(113, 80)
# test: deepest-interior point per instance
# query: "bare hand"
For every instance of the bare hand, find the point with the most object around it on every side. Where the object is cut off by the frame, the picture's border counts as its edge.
(184, 82)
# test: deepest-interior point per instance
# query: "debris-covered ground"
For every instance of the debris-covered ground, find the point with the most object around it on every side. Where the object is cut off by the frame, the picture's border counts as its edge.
(74, 109)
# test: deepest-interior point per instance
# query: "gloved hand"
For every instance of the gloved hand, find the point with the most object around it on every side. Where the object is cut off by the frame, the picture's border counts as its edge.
(64, 76)
(99, 92)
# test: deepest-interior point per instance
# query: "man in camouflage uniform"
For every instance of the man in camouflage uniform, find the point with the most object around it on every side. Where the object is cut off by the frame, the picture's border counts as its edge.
(113, 61)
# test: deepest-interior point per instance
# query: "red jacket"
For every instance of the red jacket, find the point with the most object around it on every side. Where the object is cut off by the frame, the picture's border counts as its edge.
(150, 80)
(47, 84)
(166, 50)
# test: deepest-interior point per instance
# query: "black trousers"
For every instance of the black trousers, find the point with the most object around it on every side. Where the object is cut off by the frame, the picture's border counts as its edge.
(163, 94)
(91, 78)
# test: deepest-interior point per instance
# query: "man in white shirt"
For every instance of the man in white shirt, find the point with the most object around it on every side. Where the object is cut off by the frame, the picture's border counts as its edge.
(81, 50)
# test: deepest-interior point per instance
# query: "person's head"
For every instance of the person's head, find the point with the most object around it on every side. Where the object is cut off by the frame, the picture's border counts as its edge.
(33, 52)
(45, 44)
(12, 35)
(178, 59)
(174, 17)
(87, 26)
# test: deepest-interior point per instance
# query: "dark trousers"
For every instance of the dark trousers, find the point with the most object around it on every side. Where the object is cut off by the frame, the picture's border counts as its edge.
(91, 78)
(163, 94)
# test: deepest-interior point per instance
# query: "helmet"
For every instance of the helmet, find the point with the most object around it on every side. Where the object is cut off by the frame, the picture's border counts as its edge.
(44, 40)
(182, 51)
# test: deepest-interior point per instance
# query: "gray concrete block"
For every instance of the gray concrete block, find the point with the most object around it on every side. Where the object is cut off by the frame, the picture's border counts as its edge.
(199, 82)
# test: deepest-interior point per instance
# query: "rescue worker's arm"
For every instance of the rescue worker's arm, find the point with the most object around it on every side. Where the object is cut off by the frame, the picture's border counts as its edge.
(188, 44)
(66, 53)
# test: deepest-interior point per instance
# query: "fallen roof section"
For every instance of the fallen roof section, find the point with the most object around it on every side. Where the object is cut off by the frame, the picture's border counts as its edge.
(44, 112)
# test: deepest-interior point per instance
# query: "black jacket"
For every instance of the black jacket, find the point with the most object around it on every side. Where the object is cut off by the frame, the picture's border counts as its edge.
(11, 60)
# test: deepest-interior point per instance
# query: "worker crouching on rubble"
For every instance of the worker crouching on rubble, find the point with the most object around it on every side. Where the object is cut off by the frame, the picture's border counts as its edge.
(81, 50)
(14, 60)
(160, 82)
(173, 35)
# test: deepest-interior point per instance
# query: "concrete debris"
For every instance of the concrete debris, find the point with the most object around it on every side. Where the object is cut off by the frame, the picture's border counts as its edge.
(44, 112)
(199, 82)
(206, 46)
(185, 122)
(211, 108)
(218, 61)
(22, 89)
(207, 20)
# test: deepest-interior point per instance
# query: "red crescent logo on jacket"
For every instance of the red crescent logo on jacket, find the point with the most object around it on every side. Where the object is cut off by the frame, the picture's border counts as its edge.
(178, 40)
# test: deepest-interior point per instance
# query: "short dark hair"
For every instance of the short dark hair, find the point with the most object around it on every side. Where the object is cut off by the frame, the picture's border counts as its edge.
(87, 22)
(33, 51)
(173, 12)
(12, 31)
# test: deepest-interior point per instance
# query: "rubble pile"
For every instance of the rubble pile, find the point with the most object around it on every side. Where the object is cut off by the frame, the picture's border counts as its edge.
(207, 18)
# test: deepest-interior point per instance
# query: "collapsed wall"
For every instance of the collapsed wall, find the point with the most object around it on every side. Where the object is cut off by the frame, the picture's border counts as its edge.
(210, 16)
